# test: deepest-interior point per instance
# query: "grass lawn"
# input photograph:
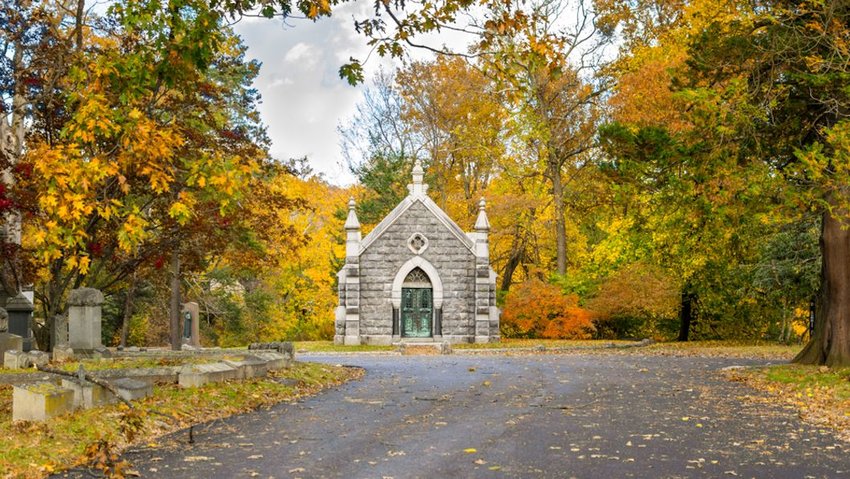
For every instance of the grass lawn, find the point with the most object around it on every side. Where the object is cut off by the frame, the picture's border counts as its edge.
(32, 450)
(742, 349)
(330, 347)
(821, 394)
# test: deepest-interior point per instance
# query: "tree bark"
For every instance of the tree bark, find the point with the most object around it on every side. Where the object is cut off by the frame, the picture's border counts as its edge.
(830, 343)
(174, 304)
(128, 311)
(560, 221)
(686, 315)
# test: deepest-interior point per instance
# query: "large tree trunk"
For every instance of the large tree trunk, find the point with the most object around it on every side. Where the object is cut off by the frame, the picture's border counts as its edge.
(174, 305)
(128, 311)
(560, 221)
(11, 148)
(830, 343)
(686, 314)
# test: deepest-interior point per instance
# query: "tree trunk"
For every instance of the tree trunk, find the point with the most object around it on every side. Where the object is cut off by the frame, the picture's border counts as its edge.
(830, 343)
(11, 148)
(686, 314)
(517, 252)
(174, 305)
(128, 311)
(560, 221)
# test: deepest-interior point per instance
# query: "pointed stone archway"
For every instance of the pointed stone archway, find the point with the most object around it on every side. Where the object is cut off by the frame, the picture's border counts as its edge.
(435, 297)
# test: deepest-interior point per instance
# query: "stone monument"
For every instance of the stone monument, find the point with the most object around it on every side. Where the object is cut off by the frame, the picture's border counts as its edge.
(191, 328)
(417, 277)
(20, 311)
(84, 319)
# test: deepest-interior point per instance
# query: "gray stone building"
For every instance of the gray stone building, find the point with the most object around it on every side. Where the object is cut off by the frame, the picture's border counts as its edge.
(417, 277)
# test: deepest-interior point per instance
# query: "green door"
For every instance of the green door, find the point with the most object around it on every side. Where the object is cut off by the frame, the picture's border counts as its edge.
(416, 312)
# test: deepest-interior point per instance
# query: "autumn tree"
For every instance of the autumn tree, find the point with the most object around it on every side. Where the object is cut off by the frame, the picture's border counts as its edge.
(536, 309)
(452, 107)
(769, 81)
(546, 71)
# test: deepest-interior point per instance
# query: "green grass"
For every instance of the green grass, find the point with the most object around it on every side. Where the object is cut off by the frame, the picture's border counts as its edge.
(34, 449)
(804, 379)
(508, 343)
(732, 348)
(330, 347)
(820, 394)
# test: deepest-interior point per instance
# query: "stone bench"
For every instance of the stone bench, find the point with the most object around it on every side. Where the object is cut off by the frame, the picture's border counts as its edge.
(40, 401)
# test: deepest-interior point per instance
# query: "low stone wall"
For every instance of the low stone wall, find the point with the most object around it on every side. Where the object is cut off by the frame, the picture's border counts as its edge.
(45, 399)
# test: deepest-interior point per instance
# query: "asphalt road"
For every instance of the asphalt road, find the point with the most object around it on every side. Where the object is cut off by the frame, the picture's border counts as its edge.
(535, 416)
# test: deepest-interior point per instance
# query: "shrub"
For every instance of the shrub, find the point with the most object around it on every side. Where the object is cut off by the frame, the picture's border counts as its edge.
(539, 310)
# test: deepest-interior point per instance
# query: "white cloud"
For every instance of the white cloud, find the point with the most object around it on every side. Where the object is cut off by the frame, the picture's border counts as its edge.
(300, 51)
(303, 97)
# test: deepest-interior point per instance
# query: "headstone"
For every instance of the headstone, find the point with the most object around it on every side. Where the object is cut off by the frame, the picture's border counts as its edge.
(4, 316)
(84, 320)
(191, 326)
(87, 394)
(10, 342)
(59, 333)
(40, 401)
(20, 311)
(131, 389)
(63, 352)
(16, 360)
(38, 358)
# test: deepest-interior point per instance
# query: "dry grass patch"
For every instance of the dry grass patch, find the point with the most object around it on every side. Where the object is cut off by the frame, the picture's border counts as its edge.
(821, 394)
(730, 349)
(33, 450)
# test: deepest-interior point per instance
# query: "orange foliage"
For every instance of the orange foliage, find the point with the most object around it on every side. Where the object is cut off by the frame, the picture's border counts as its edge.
(539, 310)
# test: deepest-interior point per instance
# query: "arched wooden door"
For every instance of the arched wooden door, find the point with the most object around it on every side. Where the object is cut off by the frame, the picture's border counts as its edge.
(417, 305)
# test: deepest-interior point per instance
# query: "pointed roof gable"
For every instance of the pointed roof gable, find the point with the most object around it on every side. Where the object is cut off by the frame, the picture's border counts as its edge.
(417, 194)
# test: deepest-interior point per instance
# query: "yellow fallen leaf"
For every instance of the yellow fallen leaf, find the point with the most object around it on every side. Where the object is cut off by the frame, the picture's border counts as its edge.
(470, 450)
(494, 468)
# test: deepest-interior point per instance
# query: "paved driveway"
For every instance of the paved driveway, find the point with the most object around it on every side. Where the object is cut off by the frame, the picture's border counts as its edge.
(536, 416)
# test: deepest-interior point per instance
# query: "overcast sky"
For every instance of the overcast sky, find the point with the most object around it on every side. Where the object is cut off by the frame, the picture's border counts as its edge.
(303, 97)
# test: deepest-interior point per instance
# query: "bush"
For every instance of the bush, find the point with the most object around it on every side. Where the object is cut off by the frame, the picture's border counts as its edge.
(634, 302)
(539, 310)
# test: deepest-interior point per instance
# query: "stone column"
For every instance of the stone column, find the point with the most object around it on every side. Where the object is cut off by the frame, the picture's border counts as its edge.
(191, 326)
(352, 277)
(84, 318)
(482, 276)
(20, 311)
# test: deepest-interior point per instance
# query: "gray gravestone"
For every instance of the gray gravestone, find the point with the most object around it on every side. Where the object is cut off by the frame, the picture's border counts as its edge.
(20, 311)
(4, 317)
(84, 320)
(191, 329)
(60, 330)
(10, 342)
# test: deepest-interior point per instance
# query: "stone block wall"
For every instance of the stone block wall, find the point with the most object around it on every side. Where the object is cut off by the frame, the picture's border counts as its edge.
(380, 263)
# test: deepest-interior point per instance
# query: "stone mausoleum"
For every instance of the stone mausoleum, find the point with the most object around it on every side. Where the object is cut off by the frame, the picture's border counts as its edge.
(417, 277)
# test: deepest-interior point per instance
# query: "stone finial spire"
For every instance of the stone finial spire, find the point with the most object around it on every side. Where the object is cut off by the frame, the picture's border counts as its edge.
(352, 234)
(418, 187)
(351, 223)
(482, 225)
